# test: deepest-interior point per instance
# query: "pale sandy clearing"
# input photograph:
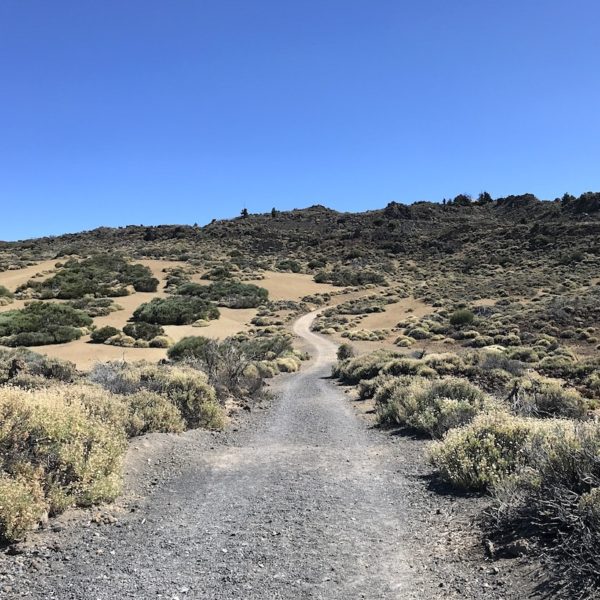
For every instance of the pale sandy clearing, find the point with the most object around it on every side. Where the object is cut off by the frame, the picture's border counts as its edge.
(13, 279)
(291, 286)
(396, 312)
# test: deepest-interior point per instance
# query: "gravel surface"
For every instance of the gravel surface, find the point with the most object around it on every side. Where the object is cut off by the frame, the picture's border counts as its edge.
(301, 499)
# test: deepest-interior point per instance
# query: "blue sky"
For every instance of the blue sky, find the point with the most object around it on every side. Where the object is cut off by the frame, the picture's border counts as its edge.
(119, 112)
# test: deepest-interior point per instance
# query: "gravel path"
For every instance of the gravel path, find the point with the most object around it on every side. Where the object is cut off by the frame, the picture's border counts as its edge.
(303, 500)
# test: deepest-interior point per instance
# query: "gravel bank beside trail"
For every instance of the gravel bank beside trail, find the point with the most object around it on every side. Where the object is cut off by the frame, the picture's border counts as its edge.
(301, 500)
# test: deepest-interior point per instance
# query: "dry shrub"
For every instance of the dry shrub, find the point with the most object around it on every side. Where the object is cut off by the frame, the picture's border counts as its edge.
(22, 506)
(554, 501)
(186, 388)
(366, 366)
(480, 454)
(52, 439)
(431, 406)
(544, 398)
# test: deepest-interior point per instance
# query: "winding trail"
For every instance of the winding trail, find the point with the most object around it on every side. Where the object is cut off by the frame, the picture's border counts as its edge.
(306, 503)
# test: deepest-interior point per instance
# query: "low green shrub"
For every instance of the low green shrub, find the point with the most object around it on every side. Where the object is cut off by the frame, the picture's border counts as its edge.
(99, 336)
(103, 275)
(230, 294)
(176, 310)
(544, 398)
(345, 351)
(461, 317)
(41, 323)
(48, 438)
(141, 330)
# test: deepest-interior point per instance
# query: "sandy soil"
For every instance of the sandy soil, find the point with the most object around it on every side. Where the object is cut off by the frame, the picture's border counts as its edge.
(13, 279)
(292, 286)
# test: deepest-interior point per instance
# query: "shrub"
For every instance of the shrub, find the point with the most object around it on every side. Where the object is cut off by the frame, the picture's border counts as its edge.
(177, 310)
(366, 366)
(143, 331)
(99, 336)
(103, 275)
(186, 388)
(544, 398)
(478, 455)
(151, 412)
(5, 292)
(554, 501)
(432, 406)
(95, 307)
(227, 293)
(36, 365)
(345, 351)
(22, 506)
(346, 276)
(48, 436)
(289, 265)
(461, 317)
(161, 341)
(42, 323)
(191, 347)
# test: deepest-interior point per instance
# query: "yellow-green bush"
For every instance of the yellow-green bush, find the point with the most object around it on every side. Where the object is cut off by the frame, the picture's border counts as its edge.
(22, 506)
(186, 388)
(48, 437)
(432, 406)
(544, 398)
(366, 366)
(151, 412)
(478, 455)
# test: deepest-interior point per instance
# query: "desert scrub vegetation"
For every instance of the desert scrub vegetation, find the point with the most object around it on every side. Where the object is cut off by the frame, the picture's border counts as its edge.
(186, 388)
(230, 294)
(237, 365)
(54, 454)
(6, 296)
(95, 307)
(62, 440)
(103, 275)
(41, 323)
(350, 277)
(176, 310)
(433, 406)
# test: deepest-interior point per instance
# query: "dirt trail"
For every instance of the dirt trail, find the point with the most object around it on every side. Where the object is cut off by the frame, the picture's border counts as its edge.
(304, 501)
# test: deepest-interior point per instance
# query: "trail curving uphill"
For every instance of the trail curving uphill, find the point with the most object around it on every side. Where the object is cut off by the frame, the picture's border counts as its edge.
(302, 502)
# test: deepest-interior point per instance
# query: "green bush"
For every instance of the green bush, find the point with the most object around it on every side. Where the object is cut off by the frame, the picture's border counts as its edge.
(544, 398)
(289, 265)
(187, 389)
(230, 294)
(176, 310)
(99, 336)
(42, 323)
(366, 366)
(346, 276)
(461, 317)
(143, 331)
(191, 347)
(151, 412)
(103, 275)
(22, 506)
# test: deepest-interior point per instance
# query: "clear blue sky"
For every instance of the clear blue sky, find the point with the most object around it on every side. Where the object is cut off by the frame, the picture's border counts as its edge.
(116, 112)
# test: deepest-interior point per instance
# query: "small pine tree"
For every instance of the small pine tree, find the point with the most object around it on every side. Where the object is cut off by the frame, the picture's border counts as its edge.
(244, 212)
(274, 212)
